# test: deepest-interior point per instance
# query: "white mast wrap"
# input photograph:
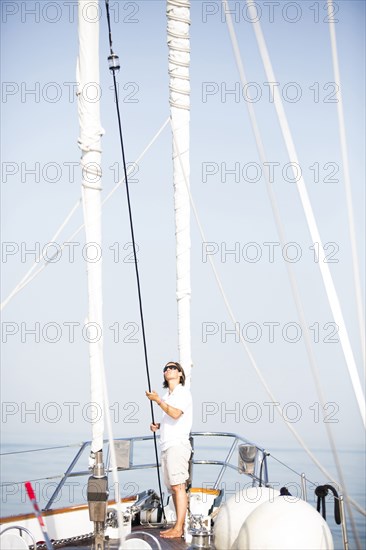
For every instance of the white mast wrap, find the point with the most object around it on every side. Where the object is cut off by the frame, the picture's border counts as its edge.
(178, 13)
(90, 145)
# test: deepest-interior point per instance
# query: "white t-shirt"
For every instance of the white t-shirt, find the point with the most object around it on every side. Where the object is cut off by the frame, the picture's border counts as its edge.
(176, 431)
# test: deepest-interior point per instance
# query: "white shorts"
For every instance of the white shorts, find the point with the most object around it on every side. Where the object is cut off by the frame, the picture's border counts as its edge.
(174, 462)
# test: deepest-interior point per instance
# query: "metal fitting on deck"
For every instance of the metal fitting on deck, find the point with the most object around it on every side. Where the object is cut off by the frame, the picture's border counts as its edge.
(98, 491)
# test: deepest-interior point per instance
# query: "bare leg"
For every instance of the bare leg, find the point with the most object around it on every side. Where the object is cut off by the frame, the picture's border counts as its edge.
(180, 503)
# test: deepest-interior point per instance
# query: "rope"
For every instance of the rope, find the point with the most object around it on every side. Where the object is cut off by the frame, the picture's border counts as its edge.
(347, 181)
(281, 233)
(321, 492)
(42, 449)
(251, 357)
(324, 268)
(11, 483)
(312, 225)
(112, 55)
(24, 282)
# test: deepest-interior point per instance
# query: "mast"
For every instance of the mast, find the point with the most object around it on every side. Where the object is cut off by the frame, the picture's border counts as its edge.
(178, 14)
(90, 145)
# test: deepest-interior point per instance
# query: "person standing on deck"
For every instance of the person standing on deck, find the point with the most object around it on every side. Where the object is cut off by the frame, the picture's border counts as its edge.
(175, 426)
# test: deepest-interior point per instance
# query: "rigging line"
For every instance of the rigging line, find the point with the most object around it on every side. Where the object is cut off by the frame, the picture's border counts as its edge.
(6, 483)
(310, 218)
(291, 276)
(42, 449)
(113, 70)
(281, 233)
(312, 225)
(347, 180)
(294, 471)
(308, 480)
(248, 352)
(140, 157)
(20, 286)
(314, 484)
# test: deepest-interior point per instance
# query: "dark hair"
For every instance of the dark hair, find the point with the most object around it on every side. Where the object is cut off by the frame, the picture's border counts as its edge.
(180, 369)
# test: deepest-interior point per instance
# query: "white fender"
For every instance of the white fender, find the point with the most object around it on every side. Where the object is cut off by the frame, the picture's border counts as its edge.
(233, 513)
(135, 544)
(13, 541)
(286, 523)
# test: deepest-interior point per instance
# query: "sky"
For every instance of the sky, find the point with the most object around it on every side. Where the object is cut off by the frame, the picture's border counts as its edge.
(44, 364)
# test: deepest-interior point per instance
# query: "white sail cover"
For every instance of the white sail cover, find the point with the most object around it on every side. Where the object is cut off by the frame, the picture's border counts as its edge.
(90, 145)
(178, 13)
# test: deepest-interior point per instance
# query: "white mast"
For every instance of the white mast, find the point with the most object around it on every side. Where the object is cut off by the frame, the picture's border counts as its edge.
(178, 13)
(90, 145)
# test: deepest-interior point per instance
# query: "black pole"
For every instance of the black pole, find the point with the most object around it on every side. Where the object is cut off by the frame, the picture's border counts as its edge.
(114, 67)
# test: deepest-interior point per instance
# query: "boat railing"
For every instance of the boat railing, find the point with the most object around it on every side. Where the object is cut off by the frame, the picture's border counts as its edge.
(251, 459)
(224, 451)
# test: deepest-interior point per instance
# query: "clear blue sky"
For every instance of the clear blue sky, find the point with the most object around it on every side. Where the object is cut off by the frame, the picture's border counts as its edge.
(40, 185)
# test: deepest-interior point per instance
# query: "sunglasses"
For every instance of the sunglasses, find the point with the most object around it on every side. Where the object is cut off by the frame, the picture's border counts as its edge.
(172, 367)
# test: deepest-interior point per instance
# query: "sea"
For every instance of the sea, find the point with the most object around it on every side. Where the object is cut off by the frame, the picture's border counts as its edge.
(45, 465)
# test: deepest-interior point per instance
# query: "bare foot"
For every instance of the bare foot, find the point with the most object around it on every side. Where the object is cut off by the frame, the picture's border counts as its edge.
(172, 533)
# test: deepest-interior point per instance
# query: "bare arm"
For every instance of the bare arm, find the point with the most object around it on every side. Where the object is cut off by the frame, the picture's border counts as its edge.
(168, 409)
(171, 411)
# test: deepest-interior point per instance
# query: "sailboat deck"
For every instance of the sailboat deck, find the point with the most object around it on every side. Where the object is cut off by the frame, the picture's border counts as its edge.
(165, 544)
